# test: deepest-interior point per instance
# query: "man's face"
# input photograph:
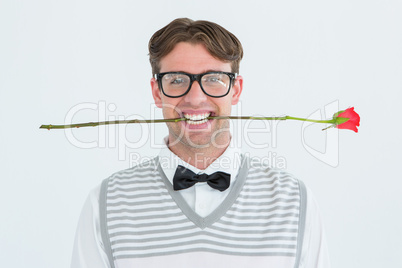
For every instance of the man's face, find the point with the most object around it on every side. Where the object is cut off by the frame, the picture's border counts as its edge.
(195, 59)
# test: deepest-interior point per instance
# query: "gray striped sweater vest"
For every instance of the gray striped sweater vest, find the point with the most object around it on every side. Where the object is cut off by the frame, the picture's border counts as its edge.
(145, 223)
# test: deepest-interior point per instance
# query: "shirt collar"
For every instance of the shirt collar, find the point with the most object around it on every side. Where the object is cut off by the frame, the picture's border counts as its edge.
(229, 162)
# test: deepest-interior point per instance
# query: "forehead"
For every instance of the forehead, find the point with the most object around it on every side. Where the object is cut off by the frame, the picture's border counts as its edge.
(192, 58)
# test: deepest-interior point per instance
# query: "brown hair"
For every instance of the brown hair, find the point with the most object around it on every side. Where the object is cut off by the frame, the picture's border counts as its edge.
(221, 43)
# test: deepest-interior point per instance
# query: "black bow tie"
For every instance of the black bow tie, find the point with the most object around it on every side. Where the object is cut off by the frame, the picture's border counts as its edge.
(185, 178)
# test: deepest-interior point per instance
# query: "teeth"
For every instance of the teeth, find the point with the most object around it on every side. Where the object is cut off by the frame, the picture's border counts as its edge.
(196, 119)
(191, 122)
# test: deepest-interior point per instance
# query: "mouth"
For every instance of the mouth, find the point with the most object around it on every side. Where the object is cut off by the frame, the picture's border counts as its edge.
(197, 119)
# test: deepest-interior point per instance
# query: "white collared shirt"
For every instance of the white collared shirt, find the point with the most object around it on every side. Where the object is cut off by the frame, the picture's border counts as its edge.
(201, 197)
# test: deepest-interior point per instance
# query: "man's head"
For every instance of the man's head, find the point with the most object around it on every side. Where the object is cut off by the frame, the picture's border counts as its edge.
(194, 65)
(219, 42)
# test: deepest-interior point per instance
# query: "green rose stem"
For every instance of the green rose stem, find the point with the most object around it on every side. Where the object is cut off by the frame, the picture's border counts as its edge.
(139, 121)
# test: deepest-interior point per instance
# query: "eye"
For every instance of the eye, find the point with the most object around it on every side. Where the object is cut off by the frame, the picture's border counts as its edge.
(213, 79)
(175, 80)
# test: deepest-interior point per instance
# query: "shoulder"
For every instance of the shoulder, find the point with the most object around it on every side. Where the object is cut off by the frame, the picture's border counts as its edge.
(145, 171)
(258, 172)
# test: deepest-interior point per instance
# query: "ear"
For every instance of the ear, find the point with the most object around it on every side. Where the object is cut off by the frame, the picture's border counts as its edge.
(156, 93)
(237, 88)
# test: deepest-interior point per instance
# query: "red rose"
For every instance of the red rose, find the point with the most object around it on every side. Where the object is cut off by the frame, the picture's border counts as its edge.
(347, 119)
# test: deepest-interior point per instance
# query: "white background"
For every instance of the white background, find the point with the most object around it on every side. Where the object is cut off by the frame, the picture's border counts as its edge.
(300, 56)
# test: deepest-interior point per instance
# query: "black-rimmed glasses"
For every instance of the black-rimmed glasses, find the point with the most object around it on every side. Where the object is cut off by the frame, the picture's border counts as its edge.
(178, 84)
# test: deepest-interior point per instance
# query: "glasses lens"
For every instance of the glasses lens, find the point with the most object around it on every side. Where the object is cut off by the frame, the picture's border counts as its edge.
(175, 84)
(216, 84)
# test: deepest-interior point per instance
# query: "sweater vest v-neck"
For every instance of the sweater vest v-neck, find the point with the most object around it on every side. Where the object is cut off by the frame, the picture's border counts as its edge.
(145, 223)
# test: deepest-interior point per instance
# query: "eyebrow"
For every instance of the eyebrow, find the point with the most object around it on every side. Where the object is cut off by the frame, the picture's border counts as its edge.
(207, 71)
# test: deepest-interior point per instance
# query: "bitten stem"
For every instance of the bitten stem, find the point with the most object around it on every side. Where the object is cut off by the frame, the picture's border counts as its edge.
(148, 121)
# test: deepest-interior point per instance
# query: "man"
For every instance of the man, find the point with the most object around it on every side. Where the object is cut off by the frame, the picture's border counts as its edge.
(199, 203)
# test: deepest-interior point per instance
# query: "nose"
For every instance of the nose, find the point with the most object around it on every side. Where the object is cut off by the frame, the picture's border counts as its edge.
(195, 95)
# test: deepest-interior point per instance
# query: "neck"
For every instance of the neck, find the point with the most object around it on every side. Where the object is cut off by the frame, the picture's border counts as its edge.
(200, 157)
